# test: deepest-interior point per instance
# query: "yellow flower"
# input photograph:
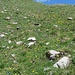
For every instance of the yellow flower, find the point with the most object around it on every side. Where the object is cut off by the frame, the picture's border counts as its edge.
(32, 70)
(36, 72)
(10, 68)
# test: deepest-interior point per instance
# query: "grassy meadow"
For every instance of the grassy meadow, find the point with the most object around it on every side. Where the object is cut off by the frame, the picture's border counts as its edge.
(21, 19)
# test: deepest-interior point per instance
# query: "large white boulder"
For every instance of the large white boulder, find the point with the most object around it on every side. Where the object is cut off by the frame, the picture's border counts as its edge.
(62, 63)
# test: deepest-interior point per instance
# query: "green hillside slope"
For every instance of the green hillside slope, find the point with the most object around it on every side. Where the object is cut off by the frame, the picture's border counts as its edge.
(50, 25)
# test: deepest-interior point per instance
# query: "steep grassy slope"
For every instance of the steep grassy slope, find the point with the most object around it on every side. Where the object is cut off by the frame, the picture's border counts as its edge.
(46, 24)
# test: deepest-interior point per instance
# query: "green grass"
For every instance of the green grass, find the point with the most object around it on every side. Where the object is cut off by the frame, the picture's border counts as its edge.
(32, 61)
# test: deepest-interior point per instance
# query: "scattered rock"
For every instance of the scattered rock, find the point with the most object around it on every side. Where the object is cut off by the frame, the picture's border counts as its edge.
(50, 73)
(2, 35)
(51, 54)
(55, 26)
(47, 43)
(7, 18)
(8, 47)
(14, 23)
(19, 42)
(13, 55)
(31, 39)
(62, 63)
(70, 18)
(14, 61)
(46, 69)
(9, 41)
(2, 12)
(25, 17)
(31, 43)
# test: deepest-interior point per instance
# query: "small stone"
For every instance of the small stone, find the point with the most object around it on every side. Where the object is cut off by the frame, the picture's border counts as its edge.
(13, 55)
(9, 41)
(31, 39)
(70, 18)
(19, 42)
(2, 35)
(47, 43)
(14, 23)
(50, 73)
(56, 26)
(8, 47)
(30, 44)
(25, 17)
(2, 11)
(7, 18)
(46, 69)
(14, 61)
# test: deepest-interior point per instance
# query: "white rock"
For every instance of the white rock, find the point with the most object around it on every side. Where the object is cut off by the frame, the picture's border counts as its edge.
(45, 69)
(19, 42)
(62, 63)
(13, 55)
(56, 26)
(70, 18)
(50, 73)
(8, 47)
(17, 9)
(2, 11)
(31, 39)
(47, 43)
(25, 17)
(2, 35)
(30, 44)
(14, 23)
(7, 18)
(14, 61)
(53, 52)
(9, 41)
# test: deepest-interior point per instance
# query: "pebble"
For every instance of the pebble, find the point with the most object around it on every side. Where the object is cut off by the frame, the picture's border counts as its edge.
(2, 35)
(47, 43)
(9, 41)
(30, 44)
(7, 18)
(70, 18)
(14, 23)
(19, 42)
(13, 55)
